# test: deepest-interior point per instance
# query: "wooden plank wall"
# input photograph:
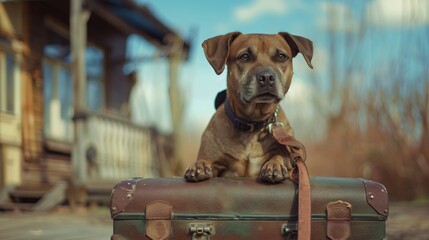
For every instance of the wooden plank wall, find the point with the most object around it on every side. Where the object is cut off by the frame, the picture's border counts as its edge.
(38, 165)
(33, 99)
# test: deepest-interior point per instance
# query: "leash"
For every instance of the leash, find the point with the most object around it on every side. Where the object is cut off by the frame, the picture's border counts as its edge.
(299, 175)
(297, 155)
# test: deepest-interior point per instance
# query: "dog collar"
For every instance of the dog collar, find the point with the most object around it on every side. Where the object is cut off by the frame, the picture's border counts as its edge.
(243, 125)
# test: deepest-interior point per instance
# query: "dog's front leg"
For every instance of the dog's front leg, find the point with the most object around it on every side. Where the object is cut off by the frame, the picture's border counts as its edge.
(274, 170)
(199, 171)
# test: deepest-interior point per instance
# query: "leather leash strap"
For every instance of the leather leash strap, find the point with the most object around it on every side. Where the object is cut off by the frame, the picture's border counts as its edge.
(300, 175)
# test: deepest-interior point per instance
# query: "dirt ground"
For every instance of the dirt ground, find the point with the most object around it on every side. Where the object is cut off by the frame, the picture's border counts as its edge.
(62, 224)
(408, 221)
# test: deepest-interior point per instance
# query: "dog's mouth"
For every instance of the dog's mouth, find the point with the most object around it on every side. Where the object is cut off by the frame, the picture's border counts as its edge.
(266, 97)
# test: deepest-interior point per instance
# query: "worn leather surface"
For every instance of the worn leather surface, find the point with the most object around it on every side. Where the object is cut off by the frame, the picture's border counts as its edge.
(339, 215)
(122, 194)
(301, 176)
(244, 196)
(241, 197)
(158, 216)
(376, 195)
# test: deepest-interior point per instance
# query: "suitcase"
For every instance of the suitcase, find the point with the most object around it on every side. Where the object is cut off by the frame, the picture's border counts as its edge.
(241, 208)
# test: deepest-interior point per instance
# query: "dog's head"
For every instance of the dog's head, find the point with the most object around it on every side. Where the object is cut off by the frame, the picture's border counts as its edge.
(259, 65)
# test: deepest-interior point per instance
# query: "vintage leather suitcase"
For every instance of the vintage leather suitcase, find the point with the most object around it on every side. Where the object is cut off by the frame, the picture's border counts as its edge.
(240, 208)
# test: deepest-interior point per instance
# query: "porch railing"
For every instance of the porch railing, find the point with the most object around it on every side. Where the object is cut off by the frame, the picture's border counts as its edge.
(111, 148)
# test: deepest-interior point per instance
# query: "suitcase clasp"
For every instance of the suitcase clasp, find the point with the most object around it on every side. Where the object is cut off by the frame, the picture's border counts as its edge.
(290, 230)
(201, 231)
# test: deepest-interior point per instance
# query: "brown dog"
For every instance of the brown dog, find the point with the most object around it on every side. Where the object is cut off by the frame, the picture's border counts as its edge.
(236, 142)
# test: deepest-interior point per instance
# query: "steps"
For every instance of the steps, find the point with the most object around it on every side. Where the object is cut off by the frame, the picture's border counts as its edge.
(32, 197)
(99, 196)
(98, 193)
(48, 182)
(40, 198)
(51, 168)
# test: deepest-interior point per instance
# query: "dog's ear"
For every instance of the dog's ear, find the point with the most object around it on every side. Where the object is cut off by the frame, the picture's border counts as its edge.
(216, 50)
(299, 44)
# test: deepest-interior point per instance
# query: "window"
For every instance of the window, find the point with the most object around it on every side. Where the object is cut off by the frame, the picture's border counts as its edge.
(8, 78)
(58, 100)
(58, 84)
(57, 87)
(94, 58)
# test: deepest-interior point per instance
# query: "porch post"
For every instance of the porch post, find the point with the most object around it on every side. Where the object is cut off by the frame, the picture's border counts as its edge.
(177, 106)
(78, 20)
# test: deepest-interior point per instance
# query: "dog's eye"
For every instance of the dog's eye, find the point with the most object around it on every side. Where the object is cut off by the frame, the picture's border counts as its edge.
(281, 57)
(244, 57)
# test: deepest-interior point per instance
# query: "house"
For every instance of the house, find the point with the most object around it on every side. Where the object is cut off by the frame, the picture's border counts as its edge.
(63, 92)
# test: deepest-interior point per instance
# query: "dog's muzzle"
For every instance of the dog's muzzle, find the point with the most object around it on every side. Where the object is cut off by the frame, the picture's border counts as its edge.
(266, 78)
(263, 87)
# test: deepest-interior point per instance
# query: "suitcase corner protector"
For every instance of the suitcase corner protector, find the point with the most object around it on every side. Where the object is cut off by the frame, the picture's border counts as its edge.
(377, 196)
(122, 194)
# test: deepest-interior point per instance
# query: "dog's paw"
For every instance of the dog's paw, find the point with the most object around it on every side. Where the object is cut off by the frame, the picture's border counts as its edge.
(274, 171)
(199, 171)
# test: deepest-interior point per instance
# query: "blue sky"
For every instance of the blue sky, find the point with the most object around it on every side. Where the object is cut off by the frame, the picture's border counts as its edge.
(390, 23)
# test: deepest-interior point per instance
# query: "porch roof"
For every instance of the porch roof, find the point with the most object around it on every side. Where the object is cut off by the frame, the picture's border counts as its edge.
(136, 19)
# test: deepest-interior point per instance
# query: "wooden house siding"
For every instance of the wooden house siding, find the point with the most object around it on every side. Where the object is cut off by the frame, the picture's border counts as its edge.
(107, 145)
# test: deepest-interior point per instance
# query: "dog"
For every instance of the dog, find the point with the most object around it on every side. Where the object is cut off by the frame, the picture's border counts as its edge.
(237, 141)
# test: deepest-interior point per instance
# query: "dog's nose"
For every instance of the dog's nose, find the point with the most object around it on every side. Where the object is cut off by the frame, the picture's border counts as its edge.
(266, 78)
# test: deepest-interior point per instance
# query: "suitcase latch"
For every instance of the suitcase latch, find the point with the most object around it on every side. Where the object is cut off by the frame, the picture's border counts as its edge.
(201, 231)
(290, 230)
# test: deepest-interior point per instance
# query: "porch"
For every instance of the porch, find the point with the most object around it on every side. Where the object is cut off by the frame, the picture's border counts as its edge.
(75, 137)
(115, 148)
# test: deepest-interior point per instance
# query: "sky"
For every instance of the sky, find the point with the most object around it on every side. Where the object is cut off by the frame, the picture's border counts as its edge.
(198, 20)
